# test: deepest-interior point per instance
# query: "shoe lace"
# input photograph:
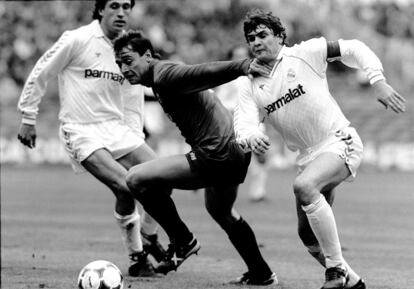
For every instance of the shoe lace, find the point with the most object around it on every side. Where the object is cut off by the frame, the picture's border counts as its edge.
(333, 274)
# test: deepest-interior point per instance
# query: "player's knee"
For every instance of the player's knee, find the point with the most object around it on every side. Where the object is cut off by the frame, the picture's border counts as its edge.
(135, 182)
(304, 190)
(119, 187)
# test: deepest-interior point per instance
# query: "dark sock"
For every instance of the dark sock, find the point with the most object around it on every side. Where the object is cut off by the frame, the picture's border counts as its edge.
(161, 207)
(243, 239)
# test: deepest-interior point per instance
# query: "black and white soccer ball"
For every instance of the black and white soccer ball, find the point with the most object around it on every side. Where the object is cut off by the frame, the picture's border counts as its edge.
(100, 274)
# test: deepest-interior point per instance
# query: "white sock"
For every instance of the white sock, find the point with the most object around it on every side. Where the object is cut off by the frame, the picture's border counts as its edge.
(130, 231)
(258, 181)
(316, 252)
(322, 222)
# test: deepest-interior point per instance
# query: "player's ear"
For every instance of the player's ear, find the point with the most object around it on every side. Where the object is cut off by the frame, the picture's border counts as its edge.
(148, 55)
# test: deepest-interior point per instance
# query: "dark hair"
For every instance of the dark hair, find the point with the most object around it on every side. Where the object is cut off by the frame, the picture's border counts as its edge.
(136, 39)
(100, 5)
(257, 17)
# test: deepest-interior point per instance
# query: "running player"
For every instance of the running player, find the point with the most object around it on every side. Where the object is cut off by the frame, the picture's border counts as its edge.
(94, 128)
(296, 101)
(216, 161)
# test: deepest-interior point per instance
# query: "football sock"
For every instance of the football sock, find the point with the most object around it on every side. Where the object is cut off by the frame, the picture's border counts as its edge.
(162, 208)
(322, 222)
(243, 239)
(130, 231)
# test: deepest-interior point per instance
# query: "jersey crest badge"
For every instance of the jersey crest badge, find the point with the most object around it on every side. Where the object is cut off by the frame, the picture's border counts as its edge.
(291, 75)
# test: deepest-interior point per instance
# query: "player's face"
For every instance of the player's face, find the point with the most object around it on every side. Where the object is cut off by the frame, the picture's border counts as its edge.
(115, 17)
(264, 44)
(132, 65)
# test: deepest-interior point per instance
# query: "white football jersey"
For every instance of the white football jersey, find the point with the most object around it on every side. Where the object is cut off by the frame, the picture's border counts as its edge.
(295, 99)
(91, 86)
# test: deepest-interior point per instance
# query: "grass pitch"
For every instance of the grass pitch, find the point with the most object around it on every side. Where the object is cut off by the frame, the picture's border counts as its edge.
(53, 222)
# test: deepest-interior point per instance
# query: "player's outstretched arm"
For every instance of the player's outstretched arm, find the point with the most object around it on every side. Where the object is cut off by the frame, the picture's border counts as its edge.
(27, 135)
(388, 96)
(194, 78)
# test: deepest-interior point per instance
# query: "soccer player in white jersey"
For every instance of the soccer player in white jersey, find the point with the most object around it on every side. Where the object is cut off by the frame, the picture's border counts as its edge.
(227, 93)
(100, 119)
(296, 101)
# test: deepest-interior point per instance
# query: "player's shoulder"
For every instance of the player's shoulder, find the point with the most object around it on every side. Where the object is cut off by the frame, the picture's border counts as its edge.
(307, 46)
(82, 33)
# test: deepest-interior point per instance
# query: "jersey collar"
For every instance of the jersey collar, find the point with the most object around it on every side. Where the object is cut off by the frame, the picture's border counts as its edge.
(97, 29)
(278, 59)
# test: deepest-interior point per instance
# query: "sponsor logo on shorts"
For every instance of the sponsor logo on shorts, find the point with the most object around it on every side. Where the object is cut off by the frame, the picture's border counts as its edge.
(95, 73)
(288, 97)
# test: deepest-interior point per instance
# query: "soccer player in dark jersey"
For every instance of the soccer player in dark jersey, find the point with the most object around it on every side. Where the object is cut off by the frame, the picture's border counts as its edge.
(215, 161)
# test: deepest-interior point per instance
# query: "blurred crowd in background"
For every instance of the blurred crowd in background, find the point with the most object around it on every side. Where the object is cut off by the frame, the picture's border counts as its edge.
(195, 31)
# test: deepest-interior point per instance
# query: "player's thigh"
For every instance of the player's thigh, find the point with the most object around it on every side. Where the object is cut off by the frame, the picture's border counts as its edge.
(171, 171)
(140, 155)
(326, 171)
(102, 165)
(219, 200)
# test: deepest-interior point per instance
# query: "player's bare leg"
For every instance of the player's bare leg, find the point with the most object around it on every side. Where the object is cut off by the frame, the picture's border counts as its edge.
(327, 170)
(101, 165)
(149, 227)
(219, 203)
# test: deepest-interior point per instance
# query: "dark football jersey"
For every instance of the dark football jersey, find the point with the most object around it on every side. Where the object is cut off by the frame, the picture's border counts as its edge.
(183, 92)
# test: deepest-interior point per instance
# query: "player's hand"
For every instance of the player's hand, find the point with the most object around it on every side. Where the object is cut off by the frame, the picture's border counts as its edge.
(259, 143)
(389, 97)
(259, 68)
(27, 135)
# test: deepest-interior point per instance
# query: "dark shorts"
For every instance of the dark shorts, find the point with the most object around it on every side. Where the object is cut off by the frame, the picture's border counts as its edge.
(228, 167)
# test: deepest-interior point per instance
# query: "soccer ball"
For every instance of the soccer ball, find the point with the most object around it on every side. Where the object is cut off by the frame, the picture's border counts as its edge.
(100, 275)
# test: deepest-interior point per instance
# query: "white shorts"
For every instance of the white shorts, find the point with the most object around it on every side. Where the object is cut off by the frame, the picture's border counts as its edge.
(345, 142)
(81, 140)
